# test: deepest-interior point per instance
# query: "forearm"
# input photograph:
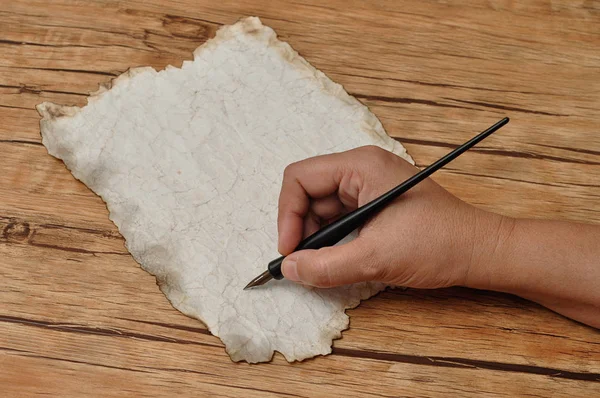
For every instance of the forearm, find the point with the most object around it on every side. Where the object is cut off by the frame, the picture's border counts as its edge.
(556, 264)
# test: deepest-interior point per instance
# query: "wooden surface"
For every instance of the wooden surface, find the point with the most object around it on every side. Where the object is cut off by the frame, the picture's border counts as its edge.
(78, 317)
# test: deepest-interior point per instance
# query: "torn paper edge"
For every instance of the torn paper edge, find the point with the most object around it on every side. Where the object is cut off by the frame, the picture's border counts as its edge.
(252, 26)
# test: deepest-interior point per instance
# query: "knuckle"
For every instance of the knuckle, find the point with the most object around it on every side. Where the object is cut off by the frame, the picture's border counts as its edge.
(289, 170)
(372, 150)
(379, 158)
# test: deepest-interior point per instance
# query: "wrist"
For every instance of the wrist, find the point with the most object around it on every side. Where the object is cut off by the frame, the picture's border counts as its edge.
(491, 236)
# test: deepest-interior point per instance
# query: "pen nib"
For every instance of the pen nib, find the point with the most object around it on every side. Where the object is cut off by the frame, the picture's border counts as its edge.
(259, 280)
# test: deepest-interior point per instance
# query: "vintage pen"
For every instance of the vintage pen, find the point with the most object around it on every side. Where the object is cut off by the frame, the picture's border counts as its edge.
(338, 230)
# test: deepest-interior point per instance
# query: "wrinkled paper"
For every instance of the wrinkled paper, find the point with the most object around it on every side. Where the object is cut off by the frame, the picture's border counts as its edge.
(189, 162)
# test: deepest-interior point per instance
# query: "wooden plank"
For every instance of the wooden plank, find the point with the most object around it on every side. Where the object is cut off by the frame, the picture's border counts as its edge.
(497, 182)
(405, 379)
(149, 363)
(77, 306)
(497, 327)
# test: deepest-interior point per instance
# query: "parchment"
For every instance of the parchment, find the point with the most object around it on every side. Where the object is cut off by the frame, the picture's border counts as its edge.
(189, 162)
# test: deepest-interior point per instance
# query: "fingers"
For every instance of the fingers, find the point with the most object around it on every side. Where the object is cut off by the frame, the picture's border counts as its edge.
(332, 266)
(320, 212)
(328, 207)
(311, 224)
(315, 178)
(290, 226)
(329, 184)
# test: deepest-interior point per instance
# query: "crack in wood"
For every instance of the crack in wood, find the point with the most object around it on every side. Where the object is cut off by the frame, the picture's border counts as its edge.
(170, 326)
(16, 107)
(20, 232)
(500, 152)
(562, 185)
(21, 142)
(507, 108)
(103, 233)
(443, 85)
(28, 43)
(84, 363)
(407, 101)
(577, 150)
(468, 363)
(91, 72)
(181, 370)
(404, 100)
(75, 250)
(82, 329)
(35, 90)
(529, 155)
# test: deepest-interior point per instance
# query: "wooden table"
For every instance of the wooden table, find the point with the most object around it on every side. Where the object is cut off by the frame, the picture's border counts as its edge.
(80, 318)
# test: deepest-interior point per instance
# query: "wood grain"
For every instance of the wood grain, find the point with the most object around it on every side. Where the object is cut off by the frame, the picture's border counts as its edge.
(80, 318)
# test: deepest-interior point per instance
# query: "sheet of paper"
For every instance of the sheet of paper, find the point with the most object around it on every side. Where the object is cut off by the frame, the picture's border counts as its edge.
(189, 162)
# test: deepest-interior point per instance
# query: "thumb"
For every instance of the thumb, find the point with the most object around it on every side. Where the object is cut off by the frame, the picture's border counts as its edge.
(332, 266)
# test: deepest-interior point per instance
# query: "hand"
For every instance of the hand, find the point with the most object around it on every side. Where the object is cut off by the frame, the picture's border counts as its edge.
(427, 238)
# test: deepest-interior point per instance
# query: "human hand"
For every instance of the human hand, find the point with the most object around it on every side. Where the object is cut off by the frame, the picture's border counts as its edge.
(427, 238)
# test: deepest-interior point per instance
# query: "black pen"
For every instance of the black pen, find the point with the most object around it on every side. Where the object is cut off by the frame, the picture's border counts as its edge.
(338, 230)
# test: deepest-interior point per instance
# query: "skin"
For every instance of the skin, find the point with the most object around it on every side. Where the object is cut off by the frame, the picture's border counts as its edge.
(430, 239)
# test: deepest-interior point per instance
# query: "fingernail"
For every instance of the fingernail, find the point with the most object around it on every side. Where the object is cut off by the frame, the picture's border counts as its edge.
(289, 268)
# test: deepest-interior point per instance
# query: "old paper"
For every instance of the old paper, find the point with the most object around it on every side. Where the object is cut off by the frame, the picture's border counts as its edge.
(189, 162)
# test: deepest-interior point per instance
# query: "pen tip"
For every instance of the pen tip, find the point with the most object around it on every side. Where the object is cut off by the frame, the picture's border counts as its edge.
(259, 280)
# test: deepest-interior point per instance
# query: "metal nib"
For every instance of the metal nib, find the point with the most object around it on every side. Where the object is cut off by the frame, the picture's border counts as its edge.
(259, 280)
